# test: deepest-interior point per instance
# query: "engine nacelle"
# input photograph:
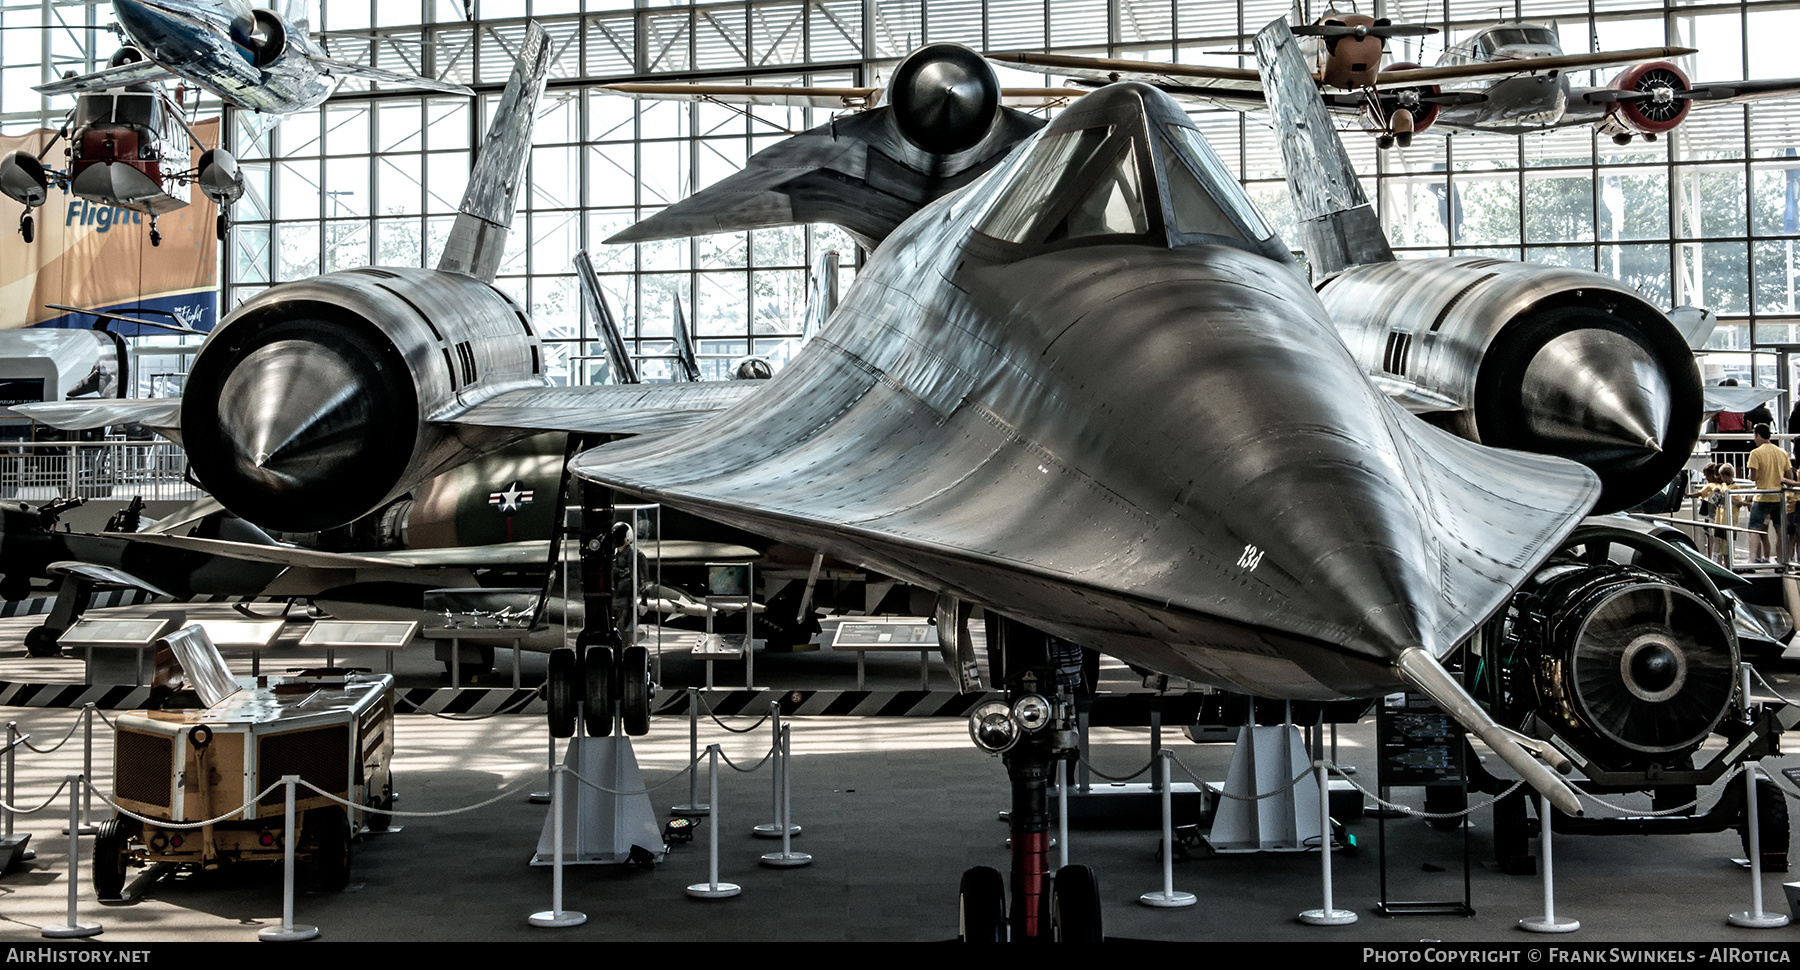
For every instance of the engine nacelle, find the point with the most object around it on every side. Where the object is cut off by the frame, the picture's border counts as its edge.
(23, 179)
(262, 36)
(1631, 668)
(220, 179)
(1659, 106)
(945, 98)
(312, 403)
(1534, 358)
(1413, 100)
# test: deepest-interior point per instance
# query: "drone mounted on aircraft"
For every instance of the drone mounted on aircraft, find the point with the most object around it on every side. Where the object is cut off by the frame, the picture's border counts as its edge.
(254, 59)
(128, 146)
(1510, 78)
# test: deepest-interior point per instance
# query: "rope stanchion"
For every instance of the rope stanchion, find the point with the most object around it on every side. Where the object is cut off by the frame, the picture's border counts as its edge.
(26, 741)
(734, 766)
(543, 797)
(1549, 922)
(693, 806)
(87, 770)
(713, 888)
(556, 915)
(1168, 897)
(1062, 812)
(1754, 918)
(777, 828)
(74, 928)
(727, 727)
(11, 809)
(1326, 915)
(288, 931)
(787, 858)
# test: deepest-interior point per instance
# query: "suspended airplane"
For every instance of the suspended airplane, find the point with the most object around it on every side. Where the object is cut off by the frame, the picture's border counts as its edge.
(128, 146)
(254, 59)
(1079, 384)
(1511, 78)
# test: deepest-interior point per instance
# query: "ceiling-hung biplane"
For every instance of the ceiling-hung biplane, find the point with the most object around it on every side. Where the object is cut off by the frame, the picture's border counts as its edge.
(1510, 78)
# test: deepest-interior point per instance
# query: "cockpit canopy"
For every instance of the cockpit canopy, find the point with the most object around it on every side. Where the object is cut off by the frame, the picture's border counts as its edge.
(1124, 164)
(1495, 40)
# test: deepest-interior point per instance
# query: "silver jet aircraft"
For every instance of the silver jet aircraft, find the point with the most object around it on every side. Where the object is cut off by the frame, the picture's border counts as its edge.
(1080, 384)
(253, 58)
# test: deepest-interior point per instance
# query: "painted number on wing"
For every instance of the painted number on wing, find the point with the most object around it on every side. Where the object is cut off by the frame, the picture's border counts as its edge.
(1251, 558)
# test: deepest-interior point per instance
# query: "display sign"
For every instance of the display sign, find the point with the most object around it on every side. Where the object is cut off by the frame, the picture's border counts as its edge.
(114, 632)
(391, 634)
(1418, 743)
(916, 635)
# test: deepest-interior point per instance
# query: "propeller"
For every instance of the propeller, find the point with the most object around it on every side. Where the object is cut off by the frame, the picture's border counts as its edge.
(1382, 28)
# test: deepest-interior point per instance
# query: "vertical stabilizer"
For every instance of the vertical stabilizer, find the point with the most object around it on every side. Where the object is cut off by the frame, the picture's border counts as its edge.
(479, 238)
(1338, 227)
(821, 295)
(623, 371)
(687, 364)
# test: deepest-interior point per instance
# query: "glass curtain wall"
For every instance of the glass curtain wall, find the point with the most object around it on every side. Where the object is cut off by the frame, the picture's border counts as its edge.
(1708, 215)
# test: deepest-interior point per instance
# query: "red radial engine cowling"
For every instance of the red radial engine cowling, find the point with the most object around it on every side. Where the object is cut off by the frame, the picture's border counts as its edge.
(1655, 114)
(1424, 112)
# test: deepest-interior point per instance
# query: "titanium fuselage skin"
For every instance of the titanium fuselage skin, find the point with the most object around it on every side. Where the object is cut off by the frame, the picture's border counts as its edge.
(1138, 431)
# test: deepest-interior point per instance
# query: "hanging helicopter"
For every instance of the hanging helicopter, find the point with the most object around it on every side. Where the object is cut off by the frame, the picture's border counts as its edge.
(128, 146)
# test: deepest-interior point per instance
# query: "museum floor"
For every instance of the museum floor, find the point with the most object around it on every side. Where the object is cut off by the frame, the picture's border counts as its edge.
(893, 809)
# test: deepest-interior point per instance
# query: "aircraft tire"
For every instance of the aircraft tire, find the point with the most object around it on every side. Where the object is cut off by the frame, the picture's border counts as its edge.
(597, 702)
(1075, 906)
(40, 642)
(331, 852)
(222, 224)
(634, 690)
(981, 906)
(110, 841)
(27, 228)
(559, 692)
(1772, 819)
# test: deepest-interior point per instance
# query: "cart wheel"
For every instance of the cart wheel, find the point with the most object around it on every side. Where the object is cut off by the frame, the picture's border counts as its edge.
(597, 703)
(109, 859)
(560, 692)
(27, 227)
(981, 906)
(331, 853)
(380, 821)
(634, 690)
(1075, 906)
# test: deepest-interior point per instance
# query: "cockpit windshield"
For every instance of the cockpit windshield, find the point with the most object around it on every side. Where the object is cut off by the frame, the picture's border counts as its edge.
(1099, 181)
(1497, 39)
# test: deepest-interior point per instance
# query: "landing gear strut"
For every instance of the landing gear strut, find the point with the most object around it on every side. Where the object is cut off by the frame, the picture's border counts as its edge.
(1033, 730)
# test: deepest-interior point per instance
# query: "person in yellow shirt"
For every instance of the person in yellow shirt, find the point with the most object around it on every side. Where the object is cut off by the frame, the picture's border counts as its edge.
(1770, 467)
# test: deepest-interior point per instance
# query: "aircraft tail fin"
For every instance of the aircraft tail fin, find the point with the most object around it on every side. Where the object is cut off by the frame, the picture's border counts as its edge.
(1338, 226)
(479, 237)
(617, 356)
(684, 346)
(822, 294)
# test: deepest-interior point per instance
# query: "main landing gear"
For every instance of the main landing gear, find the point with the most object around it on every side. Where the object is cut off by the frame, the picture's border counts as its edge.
(1033, 730)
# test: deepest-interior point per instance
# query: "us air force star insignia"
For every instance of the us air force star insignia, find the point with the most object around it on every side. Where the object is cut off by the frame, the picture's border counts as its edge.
(515, 497)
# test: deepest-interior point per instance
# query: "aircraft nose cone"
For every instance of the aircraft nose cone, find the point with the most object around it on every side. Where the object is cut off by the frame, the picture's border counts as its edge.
(1597, 396)
(294, 409)
(303, 429)
(947, 96)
